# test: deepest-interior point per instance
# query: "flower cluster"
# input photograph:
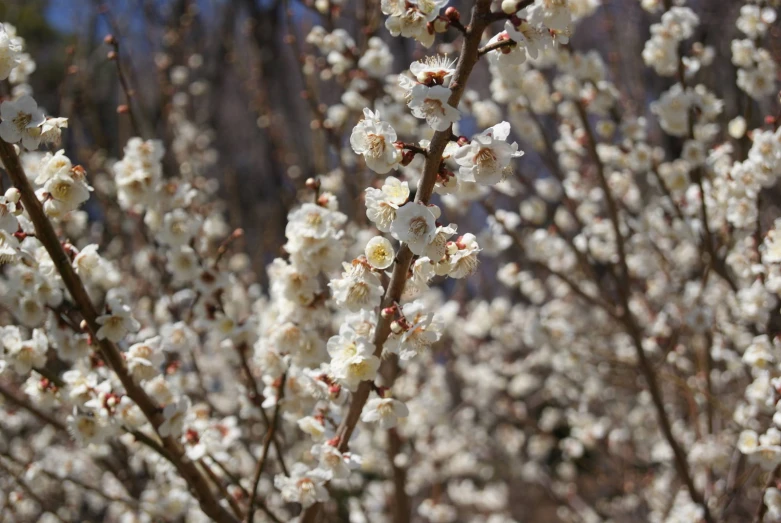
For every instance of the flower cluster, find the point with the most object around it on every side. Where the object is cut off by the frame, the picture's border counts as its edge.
(510, 269)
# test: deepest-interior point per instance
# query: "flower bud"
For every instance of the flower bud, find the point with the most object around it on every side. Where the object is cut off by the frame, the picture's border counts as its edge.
(13, 195)
(452, 14)
(509, 7)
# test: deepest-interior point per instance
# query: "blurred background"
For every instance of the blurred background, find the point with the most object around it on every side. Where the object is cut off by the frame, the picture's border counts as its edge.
(221, 83)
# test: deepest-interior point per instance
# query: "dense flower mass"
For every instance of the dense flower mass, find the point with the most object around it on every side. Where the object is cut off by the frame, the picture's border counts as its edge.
(518, 279)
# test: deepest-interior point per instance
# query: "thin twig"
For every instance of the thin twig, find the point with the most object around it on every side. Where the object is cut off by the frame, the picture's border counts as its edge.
(264, 453)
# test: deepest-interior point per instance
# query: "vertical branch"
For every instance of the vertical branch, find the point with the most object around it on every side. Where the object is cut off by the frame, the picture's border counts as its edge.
(634, 330)
(264, 454)
(466, 62)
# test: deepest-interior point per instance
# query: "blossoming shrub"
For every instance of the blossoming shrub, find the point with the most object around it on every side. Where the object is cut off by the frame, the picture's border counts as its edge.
(616, 358)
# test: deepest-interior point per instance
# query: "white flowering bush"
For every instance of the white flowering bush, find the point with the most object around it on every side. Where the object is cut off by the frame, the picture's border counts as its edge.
(517, 287)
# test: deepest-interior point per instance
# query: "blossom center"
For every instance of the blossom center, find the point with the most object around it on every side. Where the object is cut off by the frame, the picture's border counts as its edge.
(22, 120)
(376, 145)
(418, 226)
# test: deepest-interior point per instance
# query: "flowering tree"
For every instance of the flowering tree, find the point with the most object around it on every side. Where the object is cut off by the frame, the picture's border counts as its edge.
(616, 357)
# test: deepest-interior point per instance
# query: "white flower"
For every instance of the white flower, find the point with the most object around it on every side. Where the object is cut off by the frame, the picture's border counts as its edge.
(51, 165)
(358, 288)
(24, 355)
(429, 8)
(377, 61)
(553, 14)
(462, 256)
(422, 272)
(772, 499)
(9, 246)
(51, 130)
(672, 108)
(22, 120)
(174, 415)
(433, 69)
(431, 104)
(144, 359)
(485, 159)
(88, 262)
(86, 429)
(313, 221)
(385, 411)
(303, 486)
(352, 358)
(179, 227)
(312, 426)
(419, 333)
(138, 173)
(529, 39)
(415, 224)
(772, 244)
(8, 211)
(381, 204)
(374, 139)
(333, 462)
(116, 324)
(379, 252)
(9, 54)
(67, 190)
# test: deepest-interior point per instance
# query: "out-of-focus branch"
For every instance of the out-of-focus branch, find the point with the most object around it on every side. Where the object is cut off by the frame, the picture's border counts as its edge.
(633, 329)
(29, 491)
(32, 409)
(762, 507)
(270, 436)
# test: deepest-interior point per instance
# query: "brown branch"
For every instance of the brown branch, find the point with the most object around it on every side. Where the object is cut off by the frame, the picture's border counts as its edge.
(30, 492)
(500, 44)
(264, 453)
(132, 503)
(466, 62)
(256, 398)
(222, 488)
(114, 56)
(633, 329)
(32, 409)
(111, 354)
(762, 507)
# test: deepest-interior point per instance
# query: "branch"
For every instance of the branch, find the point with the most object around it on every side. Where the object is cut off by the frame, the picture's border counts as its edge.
(30, 492)
(762, 508)
(634, 330)
(111, 354)
(496, 45)
(32, 409)
(264, 454)
(466, 62)
(256, 397)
